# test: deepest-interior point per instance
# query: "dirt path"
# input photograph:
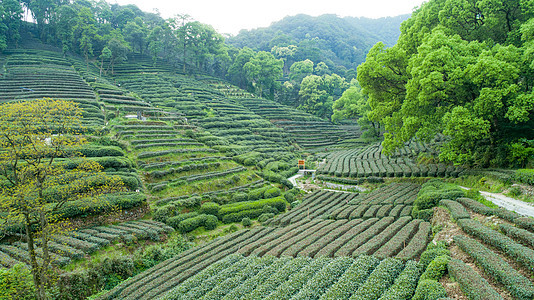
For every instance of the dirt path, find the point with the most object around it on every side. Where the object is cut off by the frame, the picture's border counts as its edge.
(520, 207)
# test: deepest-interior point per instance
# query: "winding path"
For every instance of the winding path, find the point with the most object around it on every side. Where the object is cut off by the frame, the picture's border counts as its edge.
(520, 207)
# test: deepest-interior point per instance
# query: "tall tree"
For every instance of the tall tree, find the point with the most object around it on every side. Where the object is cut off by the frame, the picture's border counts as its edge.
(462, 69)
(10, 20)
(263, 70)
(236, 72)
(33, 135)
(85, 32)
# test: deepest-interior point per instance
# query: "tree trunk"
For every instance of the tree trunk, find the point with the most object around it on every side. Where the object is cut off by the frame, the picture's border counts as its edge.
(46, 254)
(36, 271)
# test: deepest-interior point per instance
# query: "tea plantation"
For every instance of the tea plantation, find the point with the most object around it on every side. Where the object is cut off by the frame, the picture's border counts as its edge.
(209, 162)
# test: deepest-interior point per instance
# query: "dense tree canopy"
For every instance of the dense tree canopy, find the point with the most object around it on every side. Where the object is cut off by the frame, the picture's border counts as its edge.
(339, 42)
(461, 69)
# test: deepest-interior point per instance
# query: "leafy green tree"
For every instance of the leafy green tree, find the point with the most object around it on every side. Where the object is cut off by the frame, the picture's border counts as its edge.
(66, 18)
(263, 70)
(285, 53)
(10, 20)
(321, 69)
(299, 70)
(462, 69)
(135, 32)
(33, 135)
(41, 11)
(105, 55)
(236, 72)
(314, 98)
(3, 30)
(118, 47)
(85, 32)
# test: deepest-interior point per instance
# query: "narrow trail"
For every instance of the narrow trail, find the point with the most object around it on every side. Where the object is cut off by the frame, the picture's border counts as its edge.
(520, 207)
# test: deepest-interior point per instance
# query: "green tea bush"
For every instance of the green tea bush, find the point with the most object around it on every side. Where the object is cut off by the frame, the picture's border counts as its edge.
(175, 221)
(429, 290)
(246, 222)
(471, 283)
(435, 190)
(265, 216)
(519, 286)
(436, 269)
(210, 208)
(239, 197)
(272, 192)
(457, 210)
(190, 224)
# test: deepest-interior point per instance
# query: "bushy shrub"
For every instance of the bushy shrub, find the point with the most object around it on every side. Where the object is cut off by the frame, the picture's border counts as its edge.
(238, 216)
(429, 290)
(265, 216)
(175, 221)
(188, 225)
(239, 197)
(437, 268)
(272, 192)
(279, 203)
(457, 210)
(524, 176)
(16, 283)
(257, 193)
(433, 191)
(210, 208)
(246, 222)
(525, 223)
(431, 253)
(211, 222)
(519, 286)
(471, 283)
(425, 214)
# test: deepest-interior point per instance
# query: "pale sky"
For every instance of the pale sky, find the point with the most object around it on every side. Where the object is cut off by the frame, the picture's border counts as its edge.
(230, 16)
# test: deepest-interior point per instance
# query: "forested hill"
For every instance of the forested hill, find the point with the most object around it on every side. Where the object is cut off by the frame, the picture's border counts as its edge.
(327, 38)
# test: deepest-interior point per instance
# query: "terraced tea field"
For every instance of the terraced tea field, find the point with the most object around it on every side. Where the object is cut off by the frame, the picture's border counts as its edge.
(371, 162)
(305, 236)
(78, 244)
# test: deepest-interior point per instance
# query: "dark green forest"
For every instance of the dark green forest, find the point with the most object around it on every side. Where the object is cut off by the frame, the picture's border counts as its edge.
(341, 43)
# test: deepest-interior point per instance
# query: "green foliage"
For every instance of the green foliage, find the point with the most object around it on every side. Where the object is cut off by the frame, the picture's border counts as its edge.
(405, 285)
(457, 210)
(262, 70)
(524, 176)
(329, 37)
(452, 73)
(272, 192)
(433, 191)
(518, 252)
(16, 283)
(176, 220)
(246, 222)
(318, 93)
(436, 269)
(471, 283)
(518, 285)
(429, 290)
(210, 208)
(431, 253)
(190, 224)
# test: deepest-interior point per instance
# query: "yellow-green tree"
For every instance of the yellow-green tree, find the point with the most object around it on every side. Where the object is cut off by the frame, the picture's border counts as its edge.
(34, 185)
